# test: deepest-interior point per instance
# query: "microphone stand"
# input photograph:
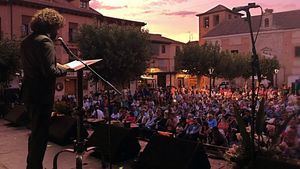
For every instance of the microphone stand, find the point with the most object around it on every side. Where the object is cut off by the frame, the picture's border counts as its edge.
(80, 143)
(255, 69)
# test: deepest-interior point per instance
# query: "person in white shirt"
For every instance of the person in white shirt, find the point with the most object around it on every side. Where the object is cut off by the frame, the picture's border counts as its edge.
(98, 114)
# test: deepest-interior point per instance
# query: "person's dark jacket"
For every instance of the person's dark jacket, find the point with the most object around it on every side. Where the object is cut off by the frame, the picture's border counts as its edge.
(40, 71)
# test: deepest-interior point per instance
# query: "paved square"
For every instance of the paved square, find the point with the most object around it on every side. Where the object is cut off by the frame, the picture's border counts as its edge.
(13, 151)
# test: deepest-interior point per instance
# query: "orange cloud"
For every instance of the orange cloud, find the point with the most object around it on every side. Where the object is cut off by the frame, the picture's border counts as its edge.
(99, 5)
(165, 2)
(181, 13)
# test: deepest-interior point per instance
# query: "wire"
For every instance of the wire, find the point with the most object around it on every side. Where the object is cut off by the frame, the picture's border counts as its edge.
(259, 24)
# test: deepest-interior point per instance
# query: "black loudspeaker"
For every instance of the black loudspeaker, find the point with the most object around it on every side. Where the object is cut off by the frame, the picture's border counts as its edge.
(124, 144)
(169, 153)
(17, 115)
(62, 130)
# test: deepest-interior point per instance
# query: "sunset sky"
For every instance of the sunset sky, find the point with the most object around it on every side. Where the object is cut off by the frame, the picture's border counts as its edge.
(176, 19)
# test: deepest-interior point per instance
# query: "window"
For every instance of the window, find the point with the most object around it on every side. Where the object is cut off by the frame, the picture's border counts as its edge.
(83, 4)
(72, 31)
(206, 22)
(229, 16)
(25, 26)
(297, 51)
(163, 49)
(267, 22)
(234, 51)
(216, 20)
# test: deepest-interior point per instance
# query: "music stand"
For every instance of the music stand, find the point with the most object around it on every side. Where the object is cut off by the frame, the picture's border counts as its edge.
(80, 143)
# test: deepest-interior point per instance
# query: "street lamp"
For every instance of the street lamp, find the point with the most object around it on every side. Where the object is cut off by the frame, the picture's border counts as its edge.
(276, 72)
(210, 71)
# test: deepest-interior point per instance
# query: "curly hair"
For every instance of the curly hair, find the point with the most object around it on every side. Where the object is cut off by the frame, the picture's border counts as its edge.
(46, 21)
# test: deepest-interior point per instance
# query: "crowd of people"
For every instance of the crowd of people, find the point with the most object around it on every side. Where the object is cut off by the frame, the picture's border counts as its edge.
(194, 115)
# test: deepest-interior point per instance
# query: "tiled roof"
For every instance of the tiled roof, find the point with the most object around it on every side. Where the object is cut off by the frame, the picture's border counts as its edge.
(193, 42)
(65, 6)
(281, 21)
(60, 4)
(160, 39)
(218, 8)
(116, 20)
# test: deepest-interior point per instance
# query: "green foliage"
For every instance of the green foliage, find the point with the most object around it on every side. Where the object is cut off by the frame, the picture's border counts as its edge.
(190, 58)
(124, 50)
(9, 59)
(267, 66)
(198, 59)
(246, 140)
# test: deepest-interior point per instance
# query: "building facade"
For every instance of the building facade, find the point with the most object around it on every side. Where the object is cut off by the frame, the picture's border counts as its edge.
(161, 67)
(15, 16)
(279, 37)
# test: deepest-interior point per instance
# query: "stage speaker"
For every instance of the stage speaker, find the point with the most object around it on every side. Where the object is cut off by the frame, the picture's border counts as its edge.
(166, 152)
(62, 130)
(124, 144)
(17, 115)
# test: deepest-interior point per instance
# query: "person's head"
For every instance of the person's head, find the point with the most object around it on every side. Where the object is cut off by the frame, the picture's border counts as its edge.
(47, 21)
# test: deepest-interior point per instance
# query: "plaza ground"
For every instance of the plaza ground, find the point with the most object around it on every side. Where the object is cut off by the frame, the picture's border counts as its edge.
(13, 151)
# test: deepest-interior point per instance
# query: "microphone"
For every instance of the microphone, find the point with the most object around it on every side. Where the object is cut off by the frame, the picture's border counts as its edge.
(245, 8)
(69, 52)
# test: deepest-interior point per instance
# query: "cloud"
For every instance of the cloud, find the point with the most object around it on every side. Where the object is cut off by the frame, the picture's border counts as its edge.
(166, 2)
(157, 3)
(106, 7)
(180, 13)
(148, 12)
(95, 4)
(100, 5)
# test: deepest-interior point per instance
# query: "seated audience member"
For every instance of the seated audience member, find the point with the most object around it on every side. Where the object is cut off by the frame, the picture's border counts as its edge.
(212, 122)
(192, 130)
(129, 118)
(98, 114)
(180, 128)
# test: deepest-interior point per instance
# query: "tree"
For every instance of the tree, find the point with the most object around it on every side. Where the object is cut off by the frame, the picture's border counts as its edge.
(267, 66)
(9, 59)
(190, 58)
(124, 50)
(198, 59)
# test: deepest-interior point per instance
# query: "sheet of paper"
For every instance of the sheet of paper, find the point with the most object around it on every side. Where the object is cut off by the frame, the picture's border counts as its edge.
(76, 65)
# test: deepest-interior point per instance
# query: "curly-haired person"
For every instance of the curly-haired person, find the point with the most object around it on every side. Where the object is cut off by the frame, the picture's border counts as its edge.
(38, 87)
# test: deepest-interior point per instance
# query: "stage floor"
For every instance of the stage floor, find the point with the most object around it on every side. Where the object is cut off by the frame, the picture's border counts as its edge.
(13, 151)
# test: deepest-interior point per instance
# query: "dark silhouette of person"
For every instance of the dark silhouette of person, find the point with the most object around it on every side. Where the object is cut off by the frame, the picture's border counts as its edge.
(40, 71)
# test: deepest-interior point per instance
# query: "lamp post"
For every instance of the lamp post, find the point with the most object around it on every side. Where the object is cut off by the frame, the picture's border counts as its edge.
(276, 72)
(210, 71)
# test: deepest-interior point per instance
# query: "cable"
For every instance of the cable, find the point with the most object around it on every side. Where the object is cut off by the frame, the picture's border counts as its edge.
(259, 24)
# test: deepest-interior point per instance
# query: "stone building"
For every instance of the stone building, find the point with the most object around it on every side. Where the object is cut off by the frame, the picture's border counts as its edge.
(15, 16)
(279, 36)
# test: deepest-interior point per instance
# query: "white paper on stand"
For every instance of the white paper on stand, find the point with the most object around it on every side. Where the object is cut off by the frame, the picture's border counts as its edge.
(76, 65)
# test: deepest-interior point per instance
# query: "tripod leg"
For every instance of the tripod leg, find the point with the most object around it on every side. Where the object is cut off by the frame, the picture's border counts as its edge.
(56, 156)
(79, 161)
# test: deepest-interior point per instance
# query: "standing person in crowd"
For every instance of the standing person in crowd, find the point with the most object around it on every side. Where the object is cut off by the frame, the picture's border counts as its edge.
(40, 72)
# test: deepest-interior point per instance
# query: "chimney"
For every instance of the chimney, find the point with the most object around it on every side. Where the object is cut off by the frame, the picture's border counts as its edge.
(269, 11)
